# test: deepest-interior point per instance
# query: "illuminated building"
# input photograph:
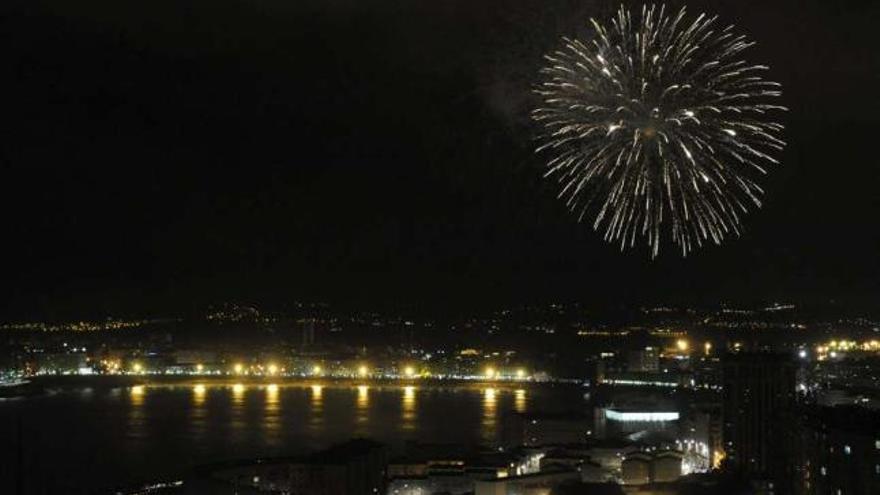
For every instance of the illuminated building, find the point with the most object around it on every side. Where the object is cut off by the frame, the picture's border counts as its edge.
(634, 412)
(634, 416)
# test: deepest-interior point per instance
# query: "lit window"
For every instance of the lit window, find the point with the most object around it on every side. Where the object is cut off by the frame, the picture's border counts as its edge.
(823, 471)
(847, 450)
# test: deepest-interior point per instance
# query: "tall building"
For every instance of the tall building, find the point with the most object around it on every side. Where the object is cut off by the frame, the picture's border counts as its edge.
(308, 332)
(838, 451)
(759, 399)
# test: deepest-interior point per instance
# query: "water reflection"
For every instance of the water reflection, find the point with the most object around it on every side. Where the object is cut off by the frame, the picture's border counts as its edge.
(198, 413)
(199, 395)
(316, 411)
(238, 393)
(137, 395)
(272, 415)
(362, 405)
(238, 424)
(490, 416)
(409, 415)
(520, 402)
(136, 415)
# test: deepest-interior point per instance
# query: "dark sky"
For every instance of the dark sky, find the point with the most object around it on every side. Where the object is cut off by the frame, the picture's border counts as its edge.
(167, 154)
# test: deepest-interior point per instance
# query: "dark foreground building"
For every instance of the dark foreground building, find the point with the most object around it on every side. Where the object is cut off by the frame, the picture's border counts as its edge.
(838, 451)
(759, 427)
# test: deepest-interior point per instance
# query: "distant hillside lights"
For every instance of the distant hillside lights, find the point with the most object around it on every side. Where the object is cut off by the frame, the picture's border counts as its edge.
(838, 348)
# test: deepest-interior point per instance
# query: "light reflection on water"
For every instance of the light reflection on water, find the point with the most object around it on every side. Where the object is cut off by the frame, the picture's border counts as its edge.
(237, 408)
(316, 409)
(136, 432)
(272, 420)
(409, 414)
(490, 415)
(520, 402)
(198, 416)
(362, 410)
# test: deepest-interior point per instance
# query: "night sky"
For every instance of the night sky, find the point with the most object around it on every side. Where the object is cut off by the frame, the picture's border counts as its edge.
(162, 155)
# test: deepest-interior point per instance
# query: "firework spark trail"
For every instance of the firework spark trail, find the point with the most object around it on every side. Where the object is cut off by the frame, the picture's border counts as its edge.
(657, 127)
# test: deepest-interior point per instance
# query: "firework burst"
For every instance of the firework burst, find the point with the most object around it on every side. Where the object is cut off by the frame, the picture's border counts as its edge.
(656, 128)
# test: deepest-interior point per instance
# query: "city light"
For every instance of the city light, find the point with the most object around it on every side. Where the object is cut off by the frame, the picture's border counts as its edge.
(200, 367)
(682, 345)
(520, 373)
(273, 369)
(199, 389)
(640, 416)
(409, 371)
(316, 370)
(272, 388)
(238, 388)
(239, 368)
(137, 367)
(490, 372)
(707, 347)
(363, 370)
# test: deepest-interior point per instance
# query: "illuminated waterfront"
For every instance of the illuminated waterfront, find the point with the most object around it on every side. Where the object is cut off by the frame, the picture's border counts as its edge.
(137, 432)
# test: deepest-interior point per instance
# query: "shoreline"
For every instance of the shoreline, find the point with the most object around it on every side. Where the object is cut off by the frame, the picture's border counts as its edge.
(41, 385)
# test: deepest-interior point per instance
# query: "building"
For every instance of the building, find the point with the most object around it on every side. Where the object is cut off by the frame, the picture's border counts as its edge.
(308, 332)
(530, 484)
(633, 413)
(758, 405)
(636, 469)
(640, 468)
(838, 451)
(700, 437)
(643, 360)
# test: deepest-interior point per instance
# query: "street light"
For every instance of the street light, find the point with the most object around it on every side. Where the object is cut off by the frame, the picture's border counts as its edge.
(682, 345)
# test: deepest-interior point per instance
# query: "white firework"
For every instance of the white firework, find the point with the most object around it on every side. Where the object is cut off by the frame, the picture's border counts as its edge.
(657, 128)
